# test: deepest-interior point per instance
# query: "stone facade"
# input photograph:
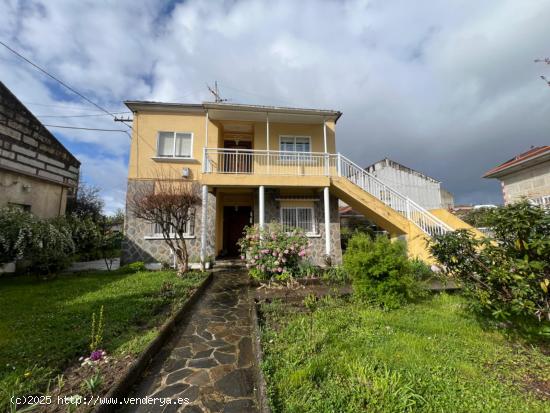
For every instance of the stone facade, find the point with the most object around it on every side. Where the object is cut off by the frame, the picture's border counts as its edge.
(137, 245)
(35, 168)
(273, 214)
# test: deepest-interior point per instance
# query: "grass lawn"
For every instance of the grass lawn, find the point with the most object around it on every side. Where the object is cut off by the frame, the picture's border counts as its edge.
(427, 357)
(46, 325)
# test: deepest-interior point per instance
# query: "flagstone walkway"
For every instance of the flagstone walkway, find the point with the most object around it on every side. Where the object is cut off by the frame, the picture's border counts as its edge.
(210, 361)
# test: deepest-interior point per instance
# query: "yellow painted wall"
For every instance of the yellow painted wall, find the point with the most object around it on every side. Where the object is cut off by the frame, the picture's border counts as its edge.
(454, 222)
(147, 125)
(143, 149)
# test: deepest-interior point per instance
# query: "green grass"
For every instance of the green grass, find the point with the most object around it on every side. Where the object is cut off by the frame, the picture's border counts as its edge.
(45, 326)
(427, 357)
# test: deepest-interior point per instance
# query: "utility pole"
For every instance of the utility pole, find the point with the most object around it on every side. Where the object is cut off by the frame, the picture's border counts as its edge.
(216, 92)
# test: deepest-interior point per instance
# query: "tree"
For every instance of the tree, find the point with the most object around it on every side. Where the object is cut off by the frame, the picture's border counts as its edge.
(507, 276)
(170, 204)
(87, 204)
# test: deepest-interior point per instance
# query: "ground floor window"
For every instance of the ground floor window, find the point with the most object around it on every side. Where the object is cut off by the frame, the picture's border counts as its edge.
(298, 217)
(189, 227)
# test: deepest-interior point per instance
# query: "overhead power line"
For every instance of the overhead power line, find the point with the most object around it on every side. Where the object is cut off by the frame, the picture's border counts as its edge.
(81, 128)
(76, 92)
(81, 116)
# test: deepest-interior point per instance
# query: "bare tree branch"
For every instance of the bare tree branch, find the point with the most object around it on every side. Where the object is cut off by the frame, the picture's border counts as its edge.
(169, 203)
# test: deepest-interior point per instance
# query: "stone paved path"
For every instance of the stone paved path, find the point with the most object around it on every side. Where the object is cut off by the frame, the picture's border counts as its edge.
(210, 361)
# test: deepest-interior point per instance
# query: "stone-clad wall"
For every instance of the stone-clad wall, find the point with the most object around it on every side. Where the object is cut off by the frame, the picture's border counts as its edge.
(272, 214)
(136, 247)
(27, 147)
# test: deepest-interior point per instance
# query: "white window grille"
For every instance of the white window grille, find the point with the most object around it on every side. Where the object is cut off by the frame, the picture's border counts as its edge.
(189, 228)
(543, 201)
(298, 217)
(175, 145)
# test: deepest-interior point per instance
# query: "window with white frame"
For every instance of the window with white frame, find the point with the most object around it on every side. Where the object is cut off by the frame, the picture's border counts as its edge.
(298, 217)
(175, 145)
(300, 144)
(188, 228)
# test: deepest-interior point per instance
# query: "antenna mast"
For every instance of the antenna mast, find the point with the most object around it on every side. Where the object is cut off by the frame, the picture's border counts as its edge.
(216, 92)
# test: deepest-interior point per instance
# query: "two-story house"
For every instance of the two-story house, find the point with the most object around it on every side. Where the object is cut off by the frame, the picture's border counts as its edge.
(258, 164)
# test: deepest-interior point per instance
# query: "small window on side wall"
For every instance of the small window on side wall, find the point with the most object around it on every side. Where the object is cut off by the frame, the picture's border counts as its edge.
(175, 145)
(188, 229)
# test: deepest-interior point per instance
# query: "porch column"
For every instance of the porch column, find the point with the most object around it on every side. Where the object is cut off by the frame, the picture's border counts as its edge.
(326, 199)
(268, 160)
(326, 147)
(262, 206)
(204, 219)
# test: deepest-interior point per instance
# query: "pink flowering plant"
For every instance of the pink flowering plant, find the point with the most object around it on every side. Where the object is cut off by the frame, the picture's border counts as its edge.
(272, 253)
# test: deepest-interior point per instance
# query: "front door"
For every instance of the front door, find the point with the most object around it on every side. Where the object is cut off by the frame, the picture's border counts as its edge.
(235, 218)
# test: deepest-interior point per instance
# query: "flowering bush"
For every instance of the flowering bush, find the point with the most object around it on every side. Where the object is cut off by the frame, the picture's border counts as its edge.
(271, 252)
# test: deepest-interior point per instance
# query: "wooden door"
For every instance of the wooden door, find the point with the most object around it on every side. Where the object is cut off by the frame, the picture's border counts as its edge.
(235, 218)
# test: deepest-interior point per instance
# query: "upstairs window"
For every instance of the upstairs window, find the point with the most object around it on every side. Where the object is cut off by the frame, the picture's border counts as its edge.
(175, 145)
(298, 218)
(295, 144)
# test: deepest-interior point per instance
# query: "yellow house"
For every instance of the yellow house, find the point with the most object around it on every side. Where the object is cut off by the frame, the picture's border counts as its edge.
(258, 164)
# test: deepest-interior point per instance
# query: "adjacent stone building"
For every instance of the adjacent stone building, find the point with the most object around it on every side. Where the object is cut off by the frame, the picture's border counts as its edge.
(37, 173)
(525, 176)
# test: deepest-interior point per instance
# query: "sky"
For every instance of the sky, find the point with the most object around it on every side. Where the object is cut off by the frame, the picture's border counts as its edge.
(447, 88)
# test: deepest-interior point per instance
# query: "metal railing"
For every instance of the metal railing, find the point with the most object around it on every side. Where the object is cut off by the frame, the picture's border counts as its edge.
(263, 162)
(287, 163)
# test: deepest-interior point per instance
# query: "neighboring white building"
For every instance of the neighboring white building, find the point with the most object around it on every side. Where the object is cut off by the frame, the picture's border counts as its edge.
(421, 188)
(527, 175)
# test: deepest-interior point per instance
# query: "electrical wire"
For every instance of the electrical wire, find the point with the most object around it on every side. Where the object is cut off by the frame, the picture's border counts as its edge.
(80, 116)
(76, 92)
(82, 128)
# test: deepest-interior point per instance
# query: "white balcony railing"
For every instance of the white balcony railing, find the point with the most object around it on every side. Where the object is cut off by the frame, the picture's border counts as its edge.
(283, 163)
(247, 161)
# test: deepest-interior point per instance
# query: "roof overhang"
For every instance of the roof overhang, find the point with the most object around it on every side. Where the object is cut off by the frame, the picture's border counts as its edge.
(240, 112)
(518, 166)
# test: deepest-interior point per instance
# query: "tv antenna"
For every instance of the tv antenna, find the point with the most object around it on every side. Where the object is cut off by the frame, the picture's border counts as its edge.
(216, 92)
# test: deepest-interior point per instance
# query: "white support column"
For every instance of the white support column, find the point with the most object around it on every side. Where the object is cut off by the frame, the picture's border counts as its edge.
(326, 147)
(325, 135)
(262, 205)
(206, 121)
(326, 199)
(268, 160)
(267, 131)
(204, 219)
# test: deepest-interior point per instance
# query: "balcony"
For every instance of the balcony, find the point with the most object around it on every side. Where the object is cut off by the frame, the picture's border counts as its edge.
(269, 163)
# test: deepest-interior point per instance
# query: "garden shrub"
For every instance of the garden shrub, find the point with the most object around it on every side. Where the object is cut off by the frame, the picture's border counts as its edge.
(380, 271)
(45, 245)
(273, 253)
(507, 276)
(132, 268)
(15, 234)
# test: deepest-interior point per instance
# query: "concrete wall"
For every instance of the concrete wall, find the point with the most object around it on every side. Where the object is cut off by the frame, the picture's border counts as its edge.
(421, 189)
(44, 199)
(530, 183)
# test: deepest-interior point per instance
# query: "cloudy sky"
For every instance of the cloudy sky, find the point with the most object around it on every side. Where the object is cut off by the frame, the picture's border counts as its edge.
(445, 87)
